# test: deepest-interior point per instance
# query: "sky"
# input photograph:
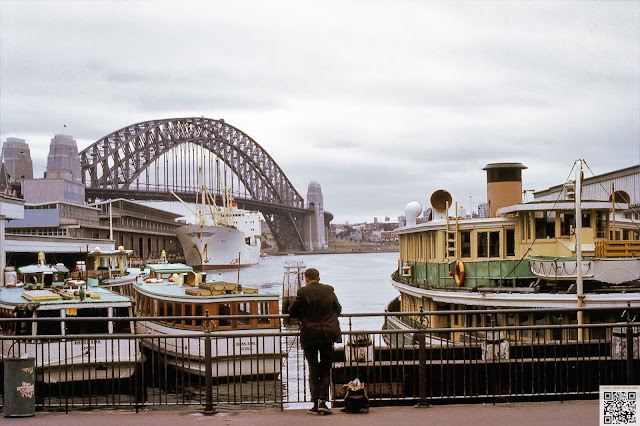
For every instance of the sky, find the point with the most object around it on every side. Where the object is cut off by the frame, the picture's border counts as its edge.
(381, 102)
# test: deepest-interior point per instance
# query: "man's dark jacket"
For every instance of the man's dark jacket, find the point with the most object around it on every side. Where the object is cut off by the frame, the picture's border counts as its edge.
(317, 307)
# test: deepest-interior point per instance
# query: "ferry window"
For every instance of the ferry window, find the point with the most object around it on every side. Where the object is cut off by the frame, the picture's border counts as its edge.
(121, 326)
(88, 327)
(494, 244)
(465, 244)
(586, 220)
(244, 309)
(545, 225)
(567, 223)
(483, 244)
(601, 224)
(198, 312)
(617, 236)
(539, 319)
(625, 234)
(224, 309)
(188, 311)
(263, 309)
(524, 321)
(46, 328)
(510, 236)
(170, 312)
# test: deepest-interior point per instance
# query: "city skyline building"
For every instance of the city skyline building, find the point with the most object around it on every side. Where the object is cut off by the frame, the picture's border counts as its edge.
(16, 157)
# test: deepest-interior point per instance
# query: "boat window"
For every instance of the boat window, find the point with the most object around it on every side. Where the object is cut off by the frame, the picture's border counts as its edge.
(188, 311)
(545, 225)
(465, 244)
(539, 319)
(567, 223)
(483, 244)
(121, 326)
(616, 237)
(170, 311)
(525, 321)
(224, 309)
(46, 328)
(88, 327)
(510, 236)
(494, 244)
(198, 312)
(586, 220)
(263, 309)
(244, 309)
(601, 224)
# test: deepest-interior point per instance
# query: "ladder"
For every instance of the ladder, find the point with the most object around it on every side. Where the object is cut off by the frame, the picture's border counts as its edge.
(451, 236)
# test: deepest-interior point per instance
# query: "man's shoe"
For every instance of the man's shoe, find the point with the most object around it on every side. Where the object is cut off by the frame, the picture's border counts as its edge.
(322, 408)
(314, 409)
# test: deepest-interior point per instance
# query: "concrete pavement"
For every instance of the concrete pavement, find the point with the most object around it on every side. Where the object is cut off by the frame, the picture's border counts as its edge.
(583, 413)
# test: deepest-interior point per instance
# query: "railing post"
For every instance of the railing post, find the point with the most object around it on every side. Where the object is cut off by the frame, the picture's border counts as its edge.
(630, 349)
(422, 369)
(207, 326)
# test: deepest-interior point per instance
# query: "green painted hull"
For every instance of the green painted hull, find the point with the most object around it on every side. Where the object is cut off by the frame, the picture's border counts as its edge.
(490, 273)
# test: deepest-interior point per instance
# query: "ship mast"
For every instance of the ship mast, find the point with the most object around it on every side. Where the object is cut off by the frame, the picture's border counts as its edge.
(580, 290)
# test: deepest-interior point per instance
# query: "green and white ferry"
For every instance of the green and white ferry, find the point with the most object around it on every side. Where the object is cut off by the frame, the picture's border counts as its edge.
(523, 255)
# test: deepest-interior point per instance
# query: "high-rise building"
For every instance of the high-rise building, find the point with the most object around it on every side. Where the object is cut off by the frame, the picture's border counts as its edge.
(17, 159)
(63, 156)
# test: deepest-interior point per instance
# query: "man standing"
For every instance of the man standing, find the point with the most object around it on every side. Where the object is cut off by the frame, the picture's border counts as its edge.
(317, 307)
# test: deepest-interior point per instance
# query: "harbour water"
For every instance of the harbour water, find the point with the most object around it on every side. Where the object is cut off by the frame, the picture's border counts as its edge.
(361, 280)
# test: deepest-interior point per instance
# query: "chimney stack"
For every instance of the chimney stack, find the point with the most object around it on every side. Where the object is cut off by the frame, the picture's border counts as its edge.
(504, 185)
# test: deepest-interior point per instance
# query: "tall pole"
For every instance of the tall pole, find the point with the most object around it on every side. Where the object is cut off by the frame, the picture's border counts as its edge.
(110, 221)
(580, 291)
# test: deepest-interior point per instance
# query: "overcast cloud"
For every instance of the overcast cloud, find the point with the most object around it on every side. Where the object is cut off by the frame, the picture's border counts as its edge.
(381, 102)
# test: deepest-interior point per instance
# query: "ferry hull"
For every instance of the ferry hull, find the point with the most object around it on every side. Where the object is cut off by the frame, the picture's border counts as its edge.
(69, 361)
(230, 356)
(216, 247)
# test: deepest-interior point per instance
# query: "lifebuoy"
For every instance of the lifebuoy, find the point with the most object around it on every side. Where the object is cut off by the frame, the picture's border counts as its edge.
(458, 273)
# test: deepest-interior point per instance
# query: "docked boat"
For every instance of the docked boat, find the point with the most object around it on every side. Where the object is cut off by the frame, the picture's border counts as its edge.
(238, 345)
(226, 237)
(79, 353)
(524, 255)
(110, 269)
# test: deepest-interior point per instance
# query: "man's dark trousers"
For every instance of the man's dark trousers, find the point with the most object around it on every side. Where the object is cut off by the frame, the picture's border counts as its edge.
(320, 359)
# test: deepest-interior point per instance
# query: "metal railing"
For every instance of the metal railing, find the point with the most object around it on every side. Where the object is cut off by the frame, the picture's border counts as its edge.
(216, 368)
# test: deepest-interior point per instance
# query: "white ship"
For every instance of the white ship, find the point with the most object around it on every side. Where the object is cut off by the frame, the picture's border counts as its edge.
(222, 236)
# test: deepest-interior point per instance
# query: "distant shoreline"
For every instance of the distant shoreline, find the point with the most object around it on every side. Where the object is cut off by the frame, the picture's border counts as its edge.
(354, 251)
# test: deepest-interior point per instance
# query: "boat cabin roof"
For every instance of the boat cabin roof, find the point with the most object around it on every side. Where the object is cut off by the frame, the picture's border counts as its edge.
(172, 291)
(110, 253)
(560, 205)
(14, 296)
(39, 269)
(166, 268)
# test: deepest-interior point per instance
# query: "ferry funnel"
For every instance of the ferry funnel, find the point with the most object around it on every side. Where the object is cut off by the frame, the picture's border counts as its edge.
(440, 201)
(504, 186)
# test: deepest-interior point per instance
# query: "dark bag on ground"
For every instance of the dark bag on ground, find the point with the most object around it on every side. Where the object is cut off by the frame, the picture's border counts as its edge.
(356, 400)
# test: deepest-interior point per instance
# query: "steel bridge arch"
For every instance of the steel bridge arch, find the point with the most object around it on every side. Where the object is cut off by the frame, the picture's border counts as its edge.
(119, 158)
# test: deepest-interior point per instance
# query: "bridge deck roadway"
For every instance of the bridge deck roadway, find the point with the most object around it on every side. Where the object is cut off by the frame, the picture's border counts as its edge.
(582, 413)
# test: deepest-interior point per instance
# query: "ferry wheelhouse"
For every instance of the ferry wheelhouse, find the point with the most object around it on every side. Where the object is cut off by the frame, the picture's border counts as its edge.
(77, 350)
(238, 345)
(524, 255)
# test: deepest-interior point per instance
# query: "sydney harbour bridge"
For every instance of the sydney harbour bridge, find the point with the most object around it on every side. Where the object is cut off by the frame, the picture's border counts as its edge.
(148, 160)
